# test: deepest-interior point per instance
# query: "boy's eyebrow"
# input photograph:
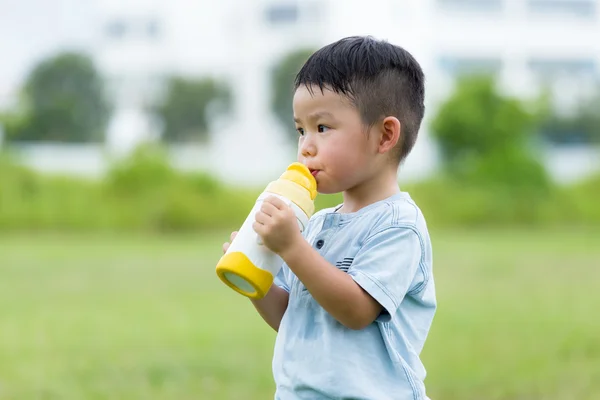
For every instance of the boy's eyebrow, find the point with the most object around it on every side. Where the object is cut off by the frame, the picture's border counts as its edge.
(316, 115)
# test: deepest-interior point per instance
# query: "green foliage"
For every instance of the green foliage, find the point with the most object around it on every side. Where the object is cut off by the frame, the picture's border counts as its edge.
(509, 169)
(477, 121)
(140, 193)
(585, 198)
(147, 192)
(486, 140)
(282, 84)
(449, 201)
(144, 193)
(188, 106)
(15, 121)
(62, 101)
(32, 201)
(145, 171)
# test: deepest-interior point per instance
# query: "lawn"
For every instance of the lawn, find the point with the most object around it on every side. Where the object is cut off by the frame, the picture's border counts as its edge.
(145, 317)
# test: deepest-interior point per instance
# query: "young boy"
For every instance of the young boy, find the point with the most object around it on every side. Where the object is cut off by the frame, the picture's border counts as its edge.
(355, 299)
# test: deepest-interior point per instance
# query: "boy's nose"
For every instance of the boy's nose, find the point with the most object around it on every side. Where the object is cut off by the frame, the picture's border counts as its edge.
(307, 148)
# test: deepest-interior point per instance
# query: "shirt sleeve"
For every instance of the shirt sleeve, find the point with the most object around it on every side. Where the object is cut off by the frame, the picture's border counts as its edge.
(386, 265)
(281, 279)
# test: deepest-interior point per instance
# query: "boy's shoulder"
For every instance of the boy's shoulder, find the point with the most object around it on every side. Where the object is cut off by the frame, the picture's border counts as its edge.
(399, 210)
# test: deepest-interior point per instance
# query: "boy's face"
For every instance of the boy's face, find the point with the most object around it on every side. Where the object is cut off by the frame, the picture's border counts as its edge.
(333, 142)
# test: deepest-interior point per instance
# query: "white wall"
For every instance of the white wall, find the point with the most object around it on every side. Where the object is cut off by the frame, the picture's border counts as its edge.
(235, 41)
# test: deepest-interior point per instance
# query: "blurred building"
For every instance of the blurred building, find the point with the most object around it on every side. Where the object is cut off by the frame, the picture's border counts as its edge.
(137, 43)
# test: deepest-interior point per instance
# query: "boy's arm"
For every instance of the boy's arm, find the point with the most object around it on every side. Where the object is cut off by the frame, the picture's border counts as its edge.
(272, 307)
(331, 287)
(376, 282)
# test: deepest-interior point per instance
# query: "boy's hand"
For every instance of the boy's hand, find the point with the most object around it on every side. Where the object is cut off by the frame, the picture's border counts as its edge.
(227, 244)
(276, 225)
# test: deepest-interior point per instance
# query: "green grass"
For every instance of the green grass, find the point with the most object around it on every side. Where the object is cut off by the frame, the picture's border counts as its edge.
(145, 317)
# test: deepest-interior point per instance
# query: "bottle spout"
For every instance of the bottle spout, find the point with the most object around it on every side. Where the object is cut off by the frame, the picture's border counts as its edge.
(300, 174)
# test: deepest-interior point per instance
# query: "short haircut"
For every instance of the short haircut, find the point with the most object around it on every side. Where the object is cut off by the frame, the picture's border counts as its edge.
(380, 79)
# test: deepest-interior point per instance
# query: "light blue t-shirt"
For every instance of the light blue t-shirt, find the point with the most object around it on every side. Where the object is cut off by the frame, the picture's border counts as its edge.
(386, 248)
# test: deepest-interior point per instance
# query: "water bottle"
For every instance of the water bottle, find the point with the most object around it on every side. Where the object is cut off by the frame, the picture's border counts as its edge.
(248, 266)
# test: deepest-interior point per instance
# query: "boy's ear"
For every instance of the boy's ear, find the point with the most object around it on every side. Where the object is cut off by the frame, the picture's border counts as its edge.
(391, 129)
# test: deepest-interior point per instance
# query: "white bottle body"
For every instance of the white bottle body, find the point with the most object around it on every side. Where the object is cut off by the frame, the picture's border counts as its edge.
(248, 242)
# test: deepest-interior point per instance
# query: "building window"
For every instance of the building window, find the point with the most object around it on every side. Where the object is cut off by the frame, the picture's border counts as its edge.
(580, 8)
(120, 28)
(550, 68)
(475, 5)
(282, 14)
(153, 28)
(457, 66)
(116, 29)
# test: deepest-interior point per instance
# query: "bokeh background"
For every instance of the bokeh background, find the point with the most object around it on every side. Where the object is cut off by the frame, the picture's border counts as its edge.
(135, 135)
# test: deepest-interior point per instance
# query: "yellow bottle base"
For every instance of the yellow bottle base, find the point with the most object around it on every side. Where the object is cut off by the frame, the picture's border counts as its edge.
(239, 273)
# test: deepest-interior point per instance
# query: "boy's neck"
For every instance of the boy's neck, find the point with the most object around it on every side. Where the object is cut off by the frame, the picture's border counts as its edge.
(369, 192)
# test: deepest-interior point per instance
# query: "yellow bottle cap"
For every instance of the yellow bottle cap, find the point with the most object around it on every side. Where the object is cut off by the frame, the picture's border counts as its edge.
(298, 185)
(300, 174)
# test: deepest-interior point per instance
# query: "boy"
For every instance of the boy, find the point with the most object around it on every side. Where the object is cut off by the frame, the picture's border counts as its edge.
(355, 299)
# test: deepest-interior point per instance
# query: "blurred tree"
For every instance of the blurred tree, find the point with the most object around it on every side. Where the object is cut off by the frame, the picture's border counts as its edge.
(485, 137)
(282, 85)
(14, 121)
(477, 120)
(189, 105)
(146, 170)
(62, 101)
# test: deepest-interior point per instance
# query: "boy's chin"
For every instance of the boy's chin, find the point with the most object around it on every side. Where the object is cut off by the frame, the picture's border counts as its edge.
(321, 189)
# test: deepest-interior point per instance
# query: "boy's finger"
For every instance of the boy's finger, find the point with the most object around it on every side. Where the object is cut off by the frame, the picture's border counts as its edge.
(233, 235)
(262, 218)
(277, 202)
(225, 247)
(258, 227)
(268, 208)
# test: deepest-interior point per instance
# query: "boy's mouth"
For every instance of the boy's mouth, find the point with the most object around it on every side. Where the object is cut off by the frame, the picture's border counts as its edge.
(314, 172)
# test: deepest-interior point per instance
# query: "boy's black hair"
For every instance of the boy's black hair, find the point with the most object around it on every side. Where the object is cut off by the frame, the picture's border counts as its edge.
(379, 78)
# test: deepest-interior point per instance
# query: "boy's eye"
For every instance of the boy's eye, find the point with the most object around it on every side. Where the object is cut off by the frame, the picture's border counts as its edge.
(322, 128)
(300, 131)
